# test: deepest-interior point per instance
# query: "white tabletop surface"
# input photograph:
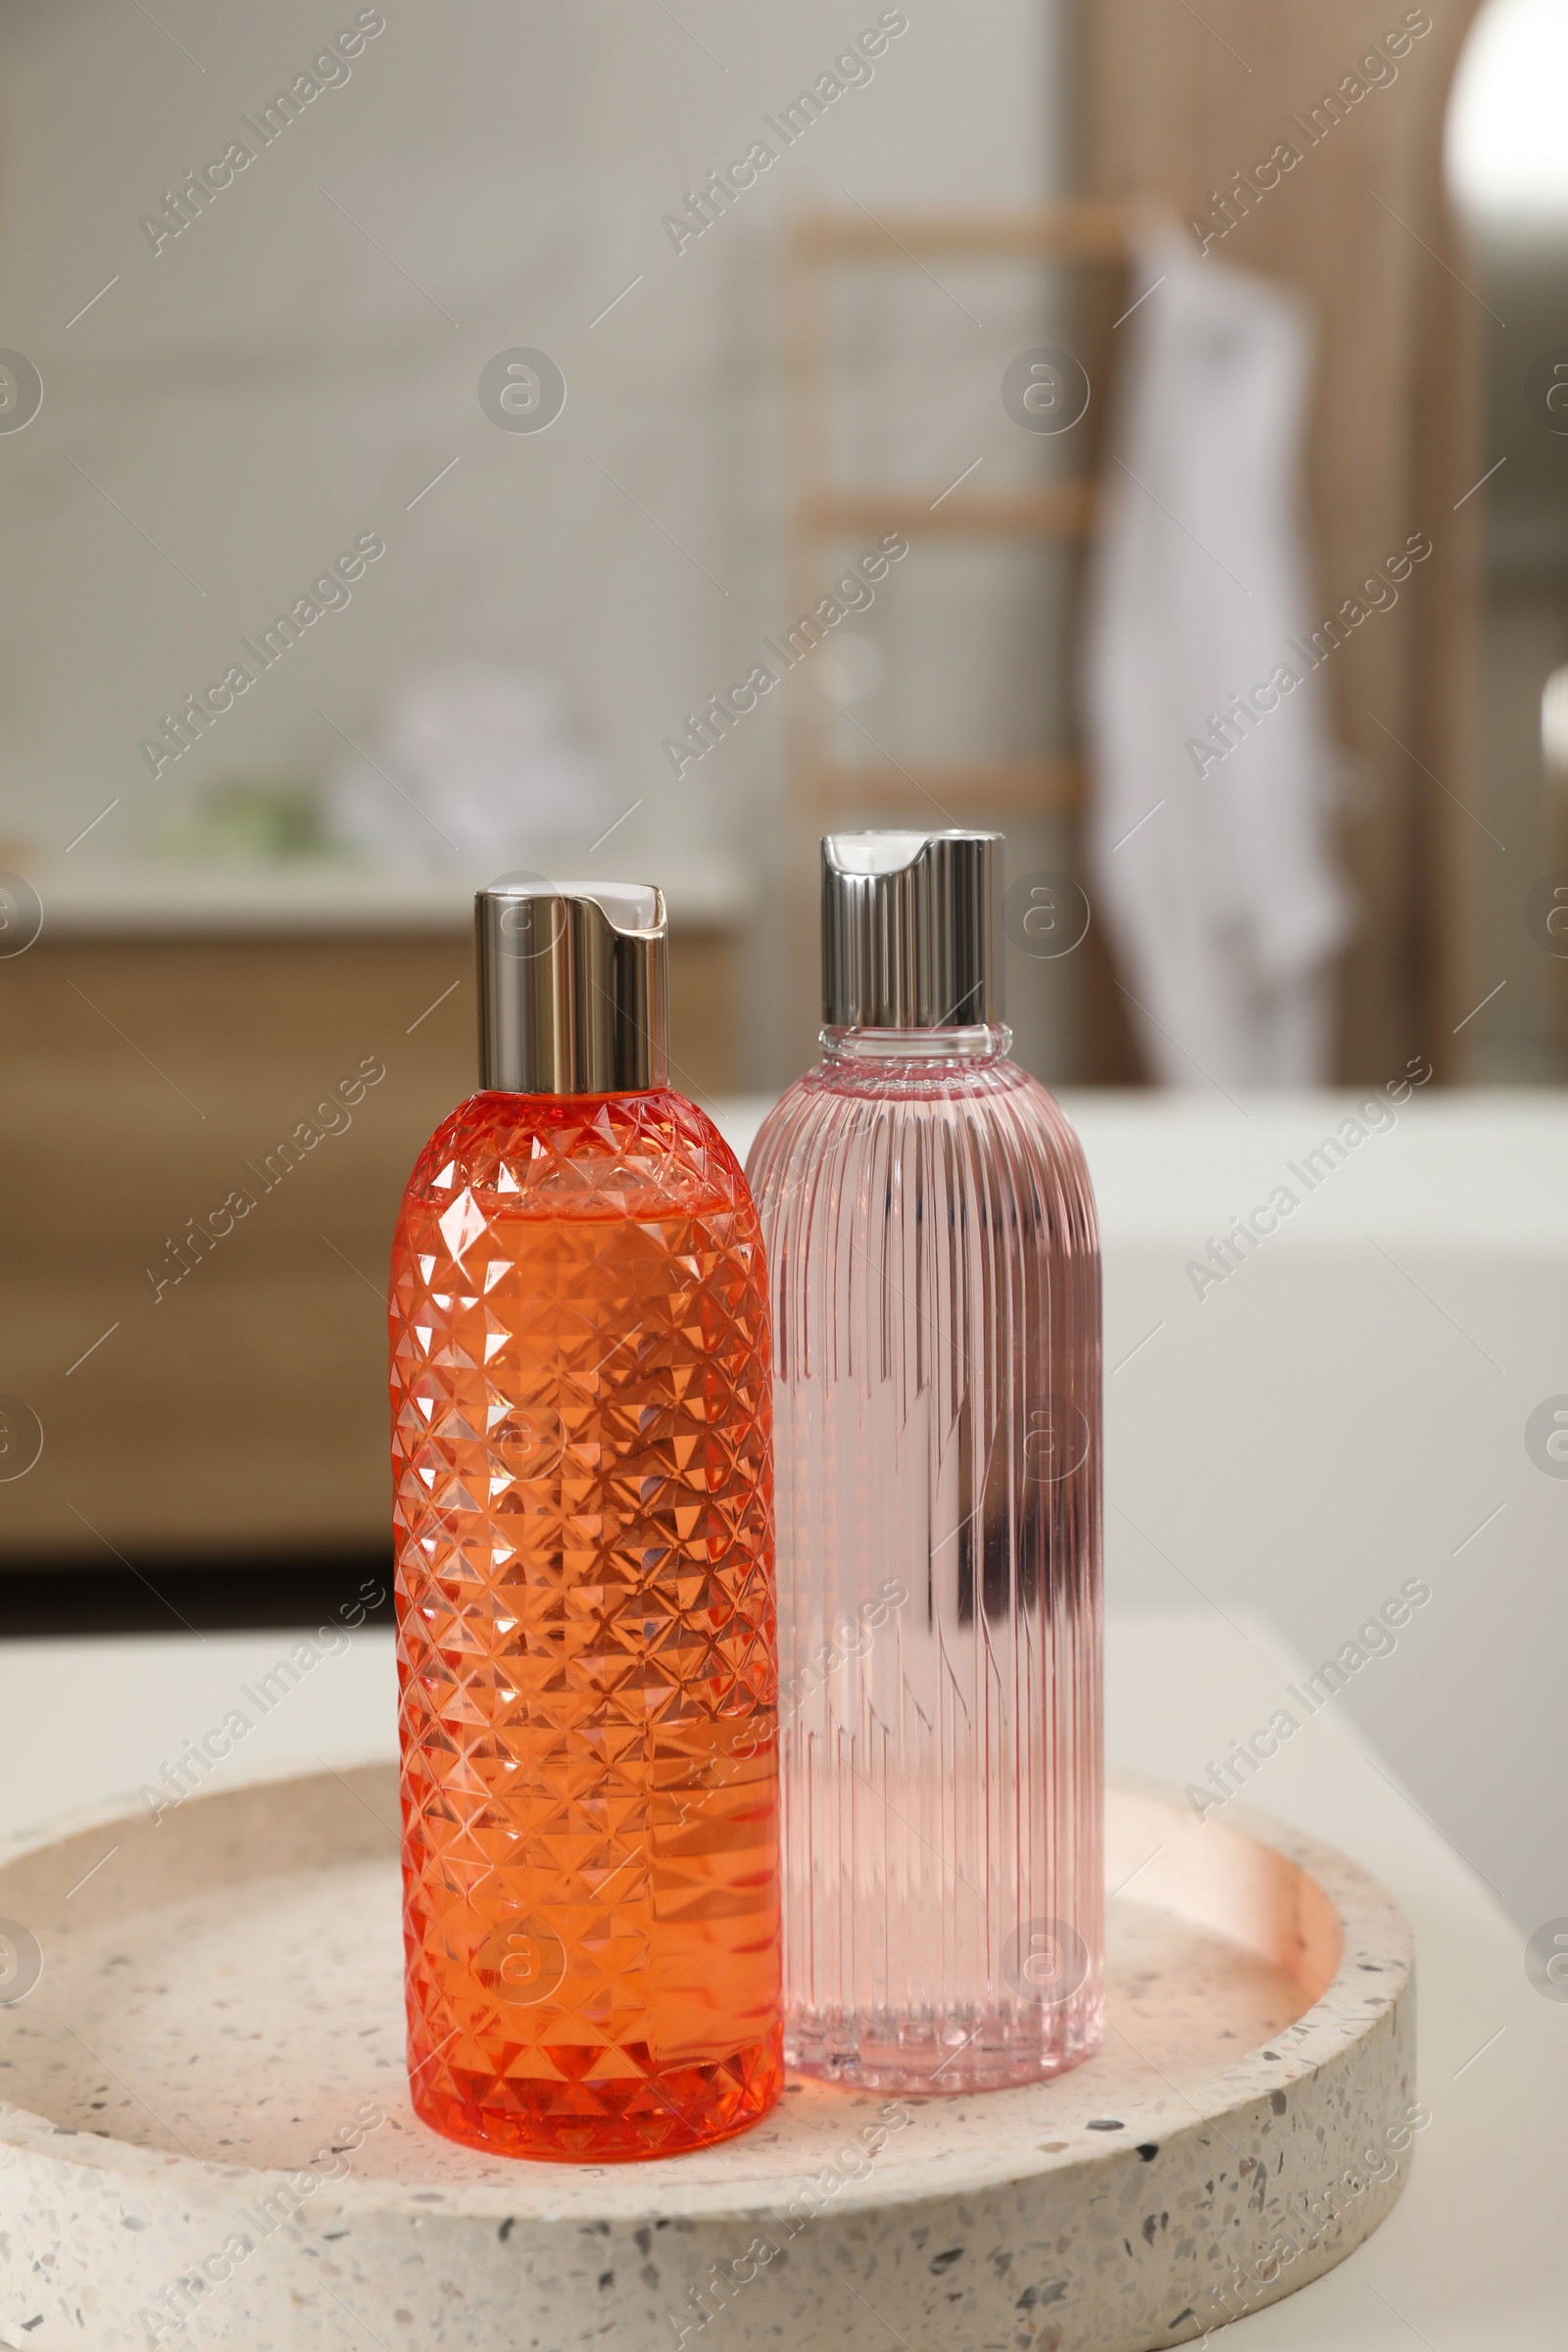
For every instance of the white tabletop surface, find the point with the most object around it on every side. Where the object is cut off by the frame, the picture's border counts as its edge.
(1475, 2256)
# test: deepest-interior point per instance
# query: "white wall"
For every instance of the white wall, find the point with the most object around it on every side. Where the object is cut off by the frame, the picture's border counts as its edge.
(271, 383)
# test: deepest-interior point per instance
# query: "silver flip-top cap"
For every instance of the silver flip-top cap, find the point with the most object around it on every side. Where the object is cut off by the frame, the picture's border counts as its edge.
(910, 923)
(572, 987)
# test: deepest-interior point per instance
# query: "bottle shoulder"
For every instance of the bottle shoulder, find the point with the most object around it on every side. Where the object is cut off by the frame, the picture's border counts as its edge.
(580, 1155)
(846, 1098)
(835, 1125)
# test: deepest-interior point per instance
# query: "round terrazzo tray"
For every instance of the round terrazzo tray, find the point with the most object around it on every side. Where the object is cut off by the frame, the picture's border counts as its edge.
(207, 2120)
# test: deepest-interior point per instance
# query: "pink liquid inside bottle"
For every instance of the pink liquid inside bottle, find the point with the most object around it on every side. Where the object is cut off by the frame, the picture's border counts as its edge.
(930, 1229)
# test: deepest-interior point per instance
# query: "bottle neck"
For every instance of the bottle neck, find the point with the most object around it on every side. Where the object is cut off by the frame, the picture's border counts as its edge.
(988, 1040)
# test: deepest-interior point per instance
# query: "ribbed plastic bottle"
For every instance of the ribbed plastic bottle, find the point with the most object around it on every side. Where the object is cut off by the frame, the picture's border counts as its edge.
(929, 1225)
(581, 1459)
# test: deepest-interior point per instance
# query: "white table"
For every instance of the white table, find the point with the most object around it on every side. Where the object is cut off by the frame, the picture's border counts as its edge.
(1475, 2258)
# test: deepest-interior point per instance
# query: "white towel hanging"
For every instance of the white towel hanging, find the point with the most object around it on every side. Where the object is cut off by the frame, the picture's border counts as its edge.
(1209, 825)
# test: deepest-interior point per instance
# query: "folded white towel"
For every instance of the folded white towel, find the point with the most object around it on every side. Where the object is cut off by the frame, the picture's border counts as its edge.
(478, 763)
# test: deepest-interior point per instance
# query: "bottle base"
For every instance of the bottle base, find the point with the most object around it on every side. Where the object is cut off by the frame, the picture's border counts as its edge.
(626, 2121)
(934, 2062)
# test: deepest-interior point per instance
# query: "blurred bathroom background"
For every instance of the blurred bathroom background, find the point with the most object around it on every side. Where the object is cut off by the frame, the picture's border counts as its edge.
(456, 404)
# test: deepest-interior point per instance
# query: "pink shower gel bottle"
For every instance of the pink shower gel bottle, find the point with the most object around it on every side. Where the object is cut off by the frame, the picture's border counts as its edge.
(930, 1229)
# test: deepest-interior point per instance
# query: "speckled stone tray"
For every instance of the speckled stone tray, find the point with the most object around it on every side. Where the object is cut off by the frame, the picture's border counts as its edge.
(207, 2135)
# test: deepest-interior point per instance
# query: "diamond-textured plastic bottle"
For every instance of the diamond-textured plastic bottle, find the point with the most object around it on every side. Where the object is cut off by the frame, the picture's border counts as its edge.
(581, 1457)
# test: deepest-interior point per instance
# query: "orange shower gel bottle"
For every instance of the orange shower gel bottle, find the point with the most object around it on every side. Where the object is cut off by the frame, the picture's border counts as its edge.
(586, 1655)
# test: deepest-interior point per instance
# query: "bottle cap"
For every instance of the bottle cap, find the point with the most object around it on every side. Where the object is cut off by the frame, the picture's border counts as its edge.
(910, 923)
(572, 987)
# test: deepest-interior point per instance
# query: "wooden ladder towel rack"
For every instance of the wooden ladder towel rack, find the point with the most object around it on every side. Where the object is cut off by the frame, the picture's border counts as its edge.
(821, 511)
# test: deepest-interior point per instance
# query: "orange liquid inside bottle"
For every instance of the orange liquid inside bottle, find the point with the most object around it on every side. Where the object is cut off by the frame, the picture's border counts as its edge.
(581, 1434)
